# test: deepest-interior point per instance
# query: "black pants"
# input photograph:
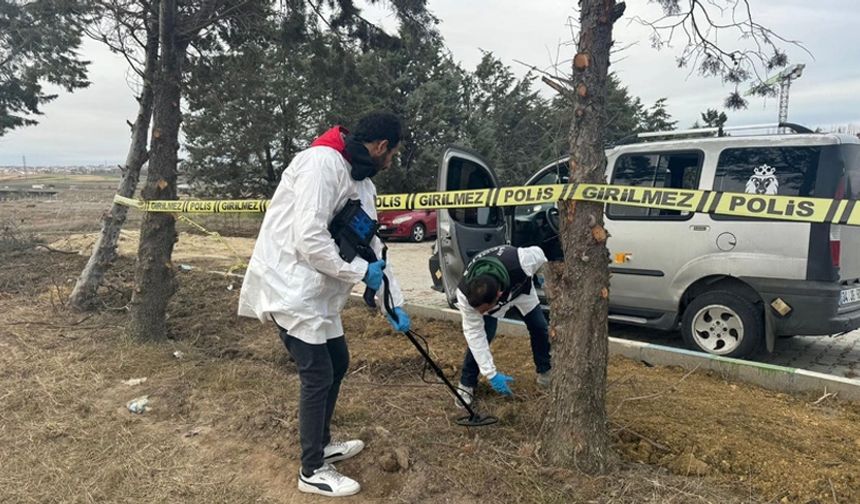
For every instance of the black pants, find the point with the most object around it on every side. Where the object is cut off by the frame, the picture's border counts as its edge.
(538, 334)
(321, 369)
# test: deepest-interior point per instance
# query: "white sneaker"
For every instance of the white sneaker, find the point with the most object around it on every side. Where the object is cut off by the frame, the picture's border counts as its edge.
(327, 481)
(466, 393)
(544, 379)
(335, 452)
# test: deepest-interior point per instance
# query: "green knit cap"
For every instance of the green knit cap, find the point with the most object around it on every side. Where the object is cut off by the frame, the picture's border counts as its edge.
(491, 266)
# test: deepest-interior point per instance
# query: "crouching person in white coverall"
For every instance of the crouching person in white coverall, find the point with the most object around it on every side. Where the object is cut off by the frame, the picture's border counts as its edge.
(496, 280)
(297, 279)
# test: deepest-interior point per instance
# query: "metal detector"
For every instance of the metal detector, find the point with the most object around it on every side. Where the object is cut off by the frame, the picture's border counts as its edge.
(473, 419)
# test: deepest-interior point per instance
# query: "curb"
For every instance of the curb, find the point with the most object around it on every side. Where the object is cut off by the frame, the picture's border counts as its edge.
(769, 376)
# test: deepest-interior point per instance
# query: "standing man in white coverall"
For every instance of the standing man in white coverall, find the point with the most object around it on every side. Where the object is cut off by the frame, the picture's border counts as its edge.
(297, 278)
(496, 280)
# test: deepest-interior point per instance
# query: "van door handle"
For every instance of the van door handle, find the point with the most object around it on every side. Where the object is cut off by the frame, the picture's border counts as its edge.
(700, 227)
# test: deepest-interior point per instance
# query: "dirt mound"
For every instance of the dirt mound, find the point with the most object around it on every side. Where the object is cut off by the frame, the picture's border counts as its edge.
(222, 423)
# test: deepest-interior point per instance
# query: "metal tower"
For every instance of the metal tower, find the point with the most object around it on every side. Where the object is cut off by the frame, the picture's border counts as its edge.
(783, 79)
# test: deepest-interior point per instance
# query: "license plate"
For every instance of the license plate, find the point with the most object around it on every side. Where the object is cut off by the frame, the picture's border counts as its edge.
(849, 296)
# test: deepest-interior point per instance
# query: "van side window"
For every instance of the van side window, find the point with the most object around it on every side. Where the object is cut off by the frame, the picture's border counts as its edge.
(788, 171)
(679, 170)
(466, 174)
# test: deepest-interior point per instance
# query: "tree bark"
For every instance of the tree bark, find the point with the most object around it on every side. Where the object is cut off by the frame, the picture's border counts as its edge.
(155, 279)
(271, 176)
(85, 294)
(575, 430)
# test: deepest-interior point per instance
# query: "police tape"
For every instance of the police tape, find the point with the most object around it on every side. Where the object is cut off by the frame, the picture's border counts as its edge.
(788, 208)
(194, 206)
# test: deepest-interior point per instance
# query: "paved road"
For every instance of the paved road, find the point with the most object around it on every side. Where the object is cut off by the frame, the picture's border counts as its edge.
(838, 355)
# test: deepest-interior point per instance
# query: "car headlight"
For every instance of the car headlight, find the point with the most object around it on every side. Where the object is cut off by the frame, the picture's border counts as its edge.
(401, 219)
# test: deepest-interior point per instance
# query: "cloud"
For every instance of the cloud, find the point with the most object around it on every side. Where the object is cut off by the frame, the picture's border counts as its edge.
(532, 31)
(88, 127)
(84, 127)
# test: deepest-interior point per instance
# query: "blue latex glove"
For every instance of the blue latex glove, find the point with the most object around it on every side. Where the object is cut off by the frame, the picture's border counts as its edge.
(500, 383)
(539, 281)
(402, 324)
(373, 277)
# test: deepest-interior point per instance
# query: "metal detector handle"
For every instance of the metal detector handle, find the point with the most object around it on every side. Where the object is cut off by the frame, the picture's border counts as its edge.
(386, 295)
(370, 297)
(370, 294)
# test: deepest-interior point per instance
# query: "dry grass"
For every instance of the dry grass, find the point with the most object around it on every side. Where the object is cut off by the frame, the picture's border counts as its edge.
(223, 422)
(82, 199)
(223, 425)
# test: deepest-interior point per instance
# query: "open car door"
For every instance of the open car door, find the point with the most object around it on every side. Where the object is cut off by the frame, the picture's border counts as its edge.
(463, 232)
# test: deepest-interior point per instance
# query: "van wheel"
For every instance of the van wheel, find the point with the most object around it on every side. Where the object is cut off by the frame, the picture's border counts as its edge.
(418, 232)
(722, 323)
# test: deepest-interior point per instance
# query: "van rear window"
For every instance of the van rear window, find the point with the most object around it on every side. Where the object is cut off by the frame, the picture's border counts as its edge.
(851, 155)
(788, 171)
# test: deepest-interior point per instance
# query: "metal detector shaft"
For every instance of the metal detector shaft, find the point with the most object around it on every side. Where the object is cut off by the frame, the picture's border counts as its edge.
(440, 373)
(386, 296)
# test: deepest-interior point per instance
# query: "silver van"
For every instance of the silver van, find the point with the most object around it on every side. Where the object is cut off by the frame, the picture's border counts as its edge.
(731, 285)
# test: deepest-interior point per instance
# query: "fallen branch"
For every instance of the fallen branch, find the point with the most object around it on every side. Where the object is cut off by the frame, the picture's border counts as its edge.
(74, 326)
(33, 322)
(52, 249)
(825, 396)
(656, 394)
(833, 490)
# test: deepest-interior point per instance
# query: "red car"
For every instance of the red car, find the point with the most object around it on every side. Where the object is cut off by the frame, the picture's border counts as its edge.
(415, 225)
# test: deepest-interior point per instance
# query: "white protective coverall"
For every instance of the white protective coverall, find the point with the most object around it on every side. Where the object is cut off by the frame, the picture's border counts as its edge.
(295, 274)
(531, 259)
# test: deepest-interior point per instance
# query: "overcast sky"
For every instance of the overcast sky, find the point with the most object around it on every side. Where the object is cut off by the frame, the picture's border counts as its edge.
(89, 126)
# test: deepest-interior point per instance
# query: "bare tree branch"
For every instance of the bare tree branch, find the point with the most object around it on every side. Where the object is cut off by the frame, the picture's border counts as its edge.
(701, 29)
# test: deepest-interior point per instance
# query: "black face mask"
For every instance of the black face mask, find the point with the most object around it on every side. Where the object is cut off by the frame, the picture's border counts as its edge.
(363, 165)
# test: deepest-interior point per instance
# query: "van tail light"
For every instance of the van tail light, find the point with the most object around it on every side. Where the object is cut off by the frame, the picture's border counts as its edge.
(835, 250)
(835, 234)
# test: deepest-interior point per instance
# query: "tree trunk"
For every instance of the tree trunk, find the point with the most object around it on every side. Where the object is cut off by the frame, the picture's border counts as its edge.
(154, 278)
(85, 294)
(575, 431)
(271, 176)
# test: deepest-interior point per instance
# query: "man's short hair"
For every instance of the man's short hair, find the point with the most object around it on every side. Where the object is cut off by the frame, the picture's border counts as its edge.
(379, 126)
(481, 290)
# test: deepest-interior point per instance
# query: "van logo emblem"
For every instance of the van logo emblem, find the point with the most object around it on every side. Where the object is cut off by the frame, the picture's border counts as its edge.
(763, 181)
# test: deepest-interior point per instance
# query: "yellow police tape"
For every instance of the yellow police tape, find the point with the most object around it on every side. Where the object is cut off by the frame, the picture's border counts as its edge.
(194, 206)
(789, 208)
